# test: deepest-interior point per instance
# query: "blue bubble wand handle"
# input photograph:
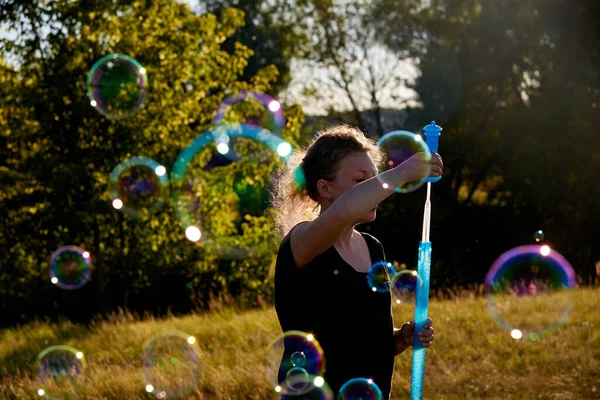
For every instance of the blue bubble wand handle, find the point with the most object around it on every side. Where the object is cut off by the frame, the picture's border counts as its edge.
(432, 134)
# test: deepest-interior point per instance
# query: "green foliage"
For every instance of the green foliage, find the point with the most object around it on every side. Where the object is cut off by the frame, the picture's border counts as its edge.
(57, 153)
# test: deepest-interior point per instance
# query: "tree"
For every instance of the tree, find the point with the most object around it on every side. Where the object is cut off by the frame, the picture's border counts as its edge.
(345, 67)
(514, 141)
(59, 153)
(272, 30)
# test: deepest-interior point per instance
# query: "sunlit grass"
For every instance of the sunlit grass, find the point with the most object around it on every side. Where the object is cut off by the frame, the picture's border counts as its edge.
(471, 358)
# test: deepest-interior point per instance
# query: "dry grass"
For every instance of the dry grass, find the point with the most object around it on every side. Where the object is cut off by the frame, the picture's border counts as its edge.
(472, 358)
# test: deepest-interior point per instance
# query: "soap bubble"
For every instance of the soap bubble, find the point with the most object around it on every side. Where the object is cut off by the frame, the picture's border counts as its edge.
(527, 291)
(538, 236)
(297, 379)
(252, 108)
(318, 390)
(380, 276)
(360, 389)
(399, 146)
(171, 363)
(70, 267)
(282, 367)
(138, 186)
(117, 86)
(404, 286)
(60, 372)
(218, 190)
(298, 359)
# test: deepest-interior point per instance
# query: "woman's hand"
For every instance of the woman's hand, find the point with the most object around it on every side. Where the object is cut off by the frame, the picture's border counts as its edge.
(419, 166)
(404, 337)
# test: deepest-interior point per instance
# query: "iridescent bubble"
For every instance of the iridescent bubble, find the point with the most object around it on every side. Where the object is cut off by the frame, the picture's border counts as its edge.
(538, 236)
(527, 291)
(117, 86)
(172, 365)
(319, 390)
(297, 379)
(380, 276)
(138, 186)
(218, 188)
(360, 389)
(399, 146)
(404, 286)
(60, 372)
(70, 267)
(298, 359)
(252, 108)
(283, 352)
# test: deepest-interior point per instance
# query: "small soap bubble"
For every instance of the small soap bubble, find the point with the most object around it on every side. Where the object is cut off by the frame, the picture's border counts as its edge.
(360, 388)
(297, 379)
(538, 236)
(399, 146)
(404, 286)
(298, 359)
(317, 389)
(380, 276)
(171, 364)
(117, 86)
(60, 372)
(293, 361)
(138, 186)
(528, 294)
(70, 267)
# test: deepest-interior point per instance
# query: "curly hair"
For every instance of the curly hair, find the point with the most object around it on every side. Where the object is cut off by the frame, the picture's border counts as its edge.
(294, 197)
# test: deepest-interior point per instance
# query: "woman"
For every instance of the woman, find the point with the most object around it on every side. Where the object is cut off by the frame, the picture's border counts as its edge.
(321, 270)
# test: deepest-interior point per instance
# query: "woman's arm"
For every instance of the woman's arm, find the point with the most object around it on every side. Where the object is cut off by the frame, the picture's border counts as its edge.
(313, 238)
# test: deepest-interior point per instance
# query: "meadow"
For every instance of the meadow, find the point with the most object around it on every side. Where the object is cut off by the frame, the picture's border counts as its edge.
(472, 358)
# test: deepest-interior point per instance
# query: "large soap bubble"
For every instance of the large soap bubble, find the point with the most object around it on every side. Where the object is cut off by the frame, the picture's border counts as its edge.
(117, 86)
(399, 146)
(528, 291)
(218, 188)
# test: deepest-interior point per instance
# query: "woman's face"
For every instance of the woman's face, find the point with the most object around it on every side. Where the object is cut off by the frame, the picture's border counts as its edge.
(354, 169)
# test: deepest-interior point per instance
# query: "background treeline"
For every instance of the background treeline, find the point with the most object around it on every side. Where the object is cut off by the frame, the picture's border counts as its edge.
(514, 84)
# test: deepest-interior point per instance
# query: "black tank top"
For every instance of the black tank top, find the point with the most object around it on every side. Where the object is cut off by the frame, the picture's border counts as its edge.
(330, 299)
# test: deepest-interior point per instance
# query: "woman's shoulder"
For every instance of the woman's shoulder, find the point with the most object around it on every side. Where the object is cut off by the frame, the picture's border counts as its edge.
(285, 242)
(285, 257)
(289, 234)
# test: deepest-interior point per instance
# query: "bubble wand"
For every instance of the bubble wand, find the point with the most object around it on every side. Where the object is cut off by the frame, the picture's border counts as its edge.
(432, 134)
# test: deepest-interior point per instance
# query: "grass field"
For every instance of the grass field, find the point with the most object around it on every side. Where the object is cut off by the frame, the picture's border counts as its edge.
(471, 357)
